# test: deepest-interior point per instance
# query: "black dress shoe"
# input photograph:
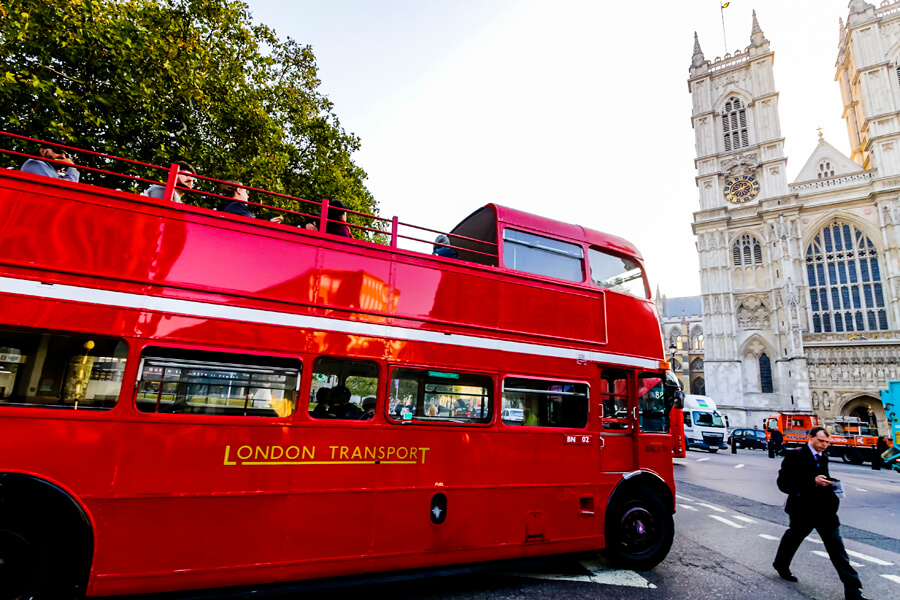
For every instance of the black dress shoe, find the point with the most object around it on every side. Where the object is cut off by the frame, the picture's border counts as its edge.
(788, 576)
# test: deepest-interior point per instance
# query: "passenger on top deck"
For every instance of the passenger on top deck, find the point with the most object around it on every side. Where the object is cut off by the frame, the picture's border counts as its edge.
(51, 152)
(337, 217)
(184, 179)
(236, 205)
(443, 250)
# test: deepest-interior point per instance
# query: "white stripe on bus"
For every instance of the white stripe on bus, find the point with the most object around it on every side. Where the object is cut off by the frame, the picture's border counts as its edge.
(193, 308)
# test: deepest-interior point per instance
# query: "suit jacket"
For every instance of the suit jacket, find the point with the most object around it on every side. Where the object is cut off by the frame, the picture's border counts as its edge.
(807, 501)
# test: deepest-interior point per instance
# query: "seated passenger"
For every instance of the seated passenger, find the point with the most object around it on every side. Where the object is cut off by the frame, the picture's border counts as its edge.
(239, 195)
(530, 419)
(443, 250)
(341, 408)
(337, 213)
(322, 404)
(368, 406)
(185, 179)
(51, 152)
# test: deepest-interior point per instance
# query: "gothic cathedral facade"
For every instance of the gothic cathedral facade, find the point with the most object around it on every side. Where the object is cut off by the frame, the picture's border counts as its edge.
(800, 282)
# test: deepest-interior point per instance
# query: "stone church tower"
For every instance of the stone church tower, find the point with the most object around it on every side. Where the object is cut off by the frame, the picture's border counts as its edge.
(800, 282)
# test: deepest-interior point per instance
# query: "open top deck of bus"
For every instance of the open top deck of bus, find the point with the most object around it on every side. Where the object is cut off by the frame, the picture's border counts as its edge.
(523, 288)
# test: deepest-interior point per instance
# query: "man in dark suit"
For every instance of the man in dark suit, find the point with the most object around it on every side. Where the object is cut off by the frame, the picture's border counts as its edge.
(812, 504)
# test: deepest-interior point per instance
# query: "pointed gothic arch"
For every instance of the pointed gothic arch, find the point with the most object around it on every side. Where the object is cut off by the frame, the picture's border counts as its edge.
(696, 338)
(846, 291)
(758, 365)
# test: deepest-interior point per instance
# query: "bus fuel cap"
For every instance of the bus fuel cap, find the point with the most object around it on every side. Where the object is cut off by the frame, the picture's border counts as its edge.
(438, 511)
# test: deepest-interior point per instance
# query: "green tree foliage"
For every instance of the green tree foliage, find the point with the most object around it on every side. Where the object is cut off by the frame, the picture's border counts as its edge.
(196, 80)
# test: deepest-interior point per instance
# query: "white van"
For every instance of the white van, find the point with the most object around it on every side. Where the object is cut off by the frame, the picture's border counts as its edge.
(703, 425)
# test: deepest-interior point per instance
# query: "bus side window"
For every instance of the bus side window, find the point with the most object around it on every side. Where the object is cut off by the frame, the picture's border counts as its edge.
(424, 395)
(651, 404)
(339, 388)
(542, 255)
(197, 382)
(44, 369)
(616, 273)
(614, 399)
(546, 403)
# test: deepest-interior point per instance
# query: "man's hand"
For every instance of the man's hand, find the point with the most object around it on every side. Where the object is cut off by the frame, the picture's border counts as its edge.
(822, 480)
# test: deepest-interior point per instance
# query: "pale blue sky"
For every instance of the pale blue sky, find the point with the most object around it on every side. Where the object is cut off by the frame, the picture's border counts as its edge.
(576, 110)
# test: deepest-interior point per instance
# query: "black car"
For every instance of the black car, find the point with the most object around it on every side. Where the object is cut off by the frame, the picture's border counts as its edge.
(748, 438)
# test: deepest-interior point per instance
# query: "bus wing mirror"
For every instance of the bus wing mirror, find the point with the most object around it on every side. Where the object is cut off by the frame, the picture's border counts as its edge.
(674, 397)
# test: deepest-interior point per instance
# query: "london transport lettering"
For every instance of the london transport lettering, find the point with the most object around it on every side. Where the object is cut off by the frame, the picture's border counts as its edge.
(334, 455)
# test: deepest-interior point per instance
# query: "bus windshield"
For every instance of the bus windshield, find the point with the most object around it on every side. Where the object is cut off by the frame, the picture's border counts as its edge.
(708, 419)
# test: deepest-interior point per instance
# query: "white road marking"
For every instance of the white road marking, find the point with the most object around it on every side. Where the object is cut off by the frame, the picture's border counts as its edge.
(680, 497)
(825, 555)
(768, 537)
(894, 578)
(740, 466)
(689, 507)
(726, 521)
(702, 459)
(744, 519)
(871, 559)
(814, 540)
(711, 507)
(597, 573)
(860, 489)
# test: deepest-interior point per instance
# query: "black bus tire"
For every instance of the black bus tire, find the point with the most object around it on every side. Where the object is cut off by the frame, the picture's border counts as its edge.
(45, 554)
(713, 450)
(639, 531)
(24, 564)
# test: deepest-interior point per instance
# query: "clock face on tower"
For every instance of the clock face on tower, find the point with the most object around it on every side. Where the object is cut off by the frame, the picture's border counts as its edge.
(741, 189)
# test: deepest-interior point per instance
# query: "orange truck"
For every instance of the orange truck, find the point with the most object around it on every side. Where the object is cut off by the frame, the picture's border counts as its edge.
(794, 426)
(852, 440)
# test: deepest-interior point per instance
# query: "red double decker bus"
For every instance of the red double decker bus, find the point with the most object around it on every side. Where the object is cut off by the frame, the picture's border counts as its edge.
(193, 399)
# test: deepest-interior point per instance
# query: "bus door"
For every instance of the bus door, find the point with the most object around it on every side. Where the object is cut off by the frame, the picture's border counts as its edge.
(654, 444)
(617, 421)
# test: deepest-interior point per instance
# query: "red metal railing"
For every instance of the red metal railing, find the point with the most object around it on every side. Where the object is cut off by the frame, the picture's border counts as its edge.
(171, 186)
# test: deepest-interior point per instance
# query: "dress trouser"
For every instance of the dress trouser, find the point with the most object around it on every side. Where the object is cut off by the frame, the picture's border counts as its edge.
(834, 545)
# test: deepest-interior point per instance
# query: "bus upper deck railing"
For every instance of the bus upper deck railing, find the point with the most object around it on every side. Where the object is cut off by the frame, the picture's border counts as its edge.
(386, 231)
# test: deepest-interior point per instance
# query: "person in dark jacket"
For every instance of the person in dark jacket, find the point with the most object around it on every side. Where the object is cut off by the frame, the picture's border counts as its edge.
(775, 442)
(51, 152)
(813, 504)
(236, 202)
(880, 448)
(337, 219)
(444, 250)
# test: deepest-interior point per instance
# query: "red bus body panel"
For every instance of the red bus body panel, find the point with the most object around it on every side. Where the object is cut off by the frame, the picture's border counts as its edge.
(172, 499)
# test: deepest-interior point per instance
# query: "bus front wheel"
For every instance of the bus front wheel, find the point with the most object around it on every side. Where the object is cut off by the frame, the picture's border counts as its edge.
(639, 531)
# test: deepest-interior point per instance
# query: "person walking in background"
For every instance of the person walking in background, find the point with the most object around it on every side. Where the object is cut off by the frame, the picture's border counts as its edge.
(50, 151)
(812, 503)
(236, 202)
(185, 179)
(775, 442)
(880, 448)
